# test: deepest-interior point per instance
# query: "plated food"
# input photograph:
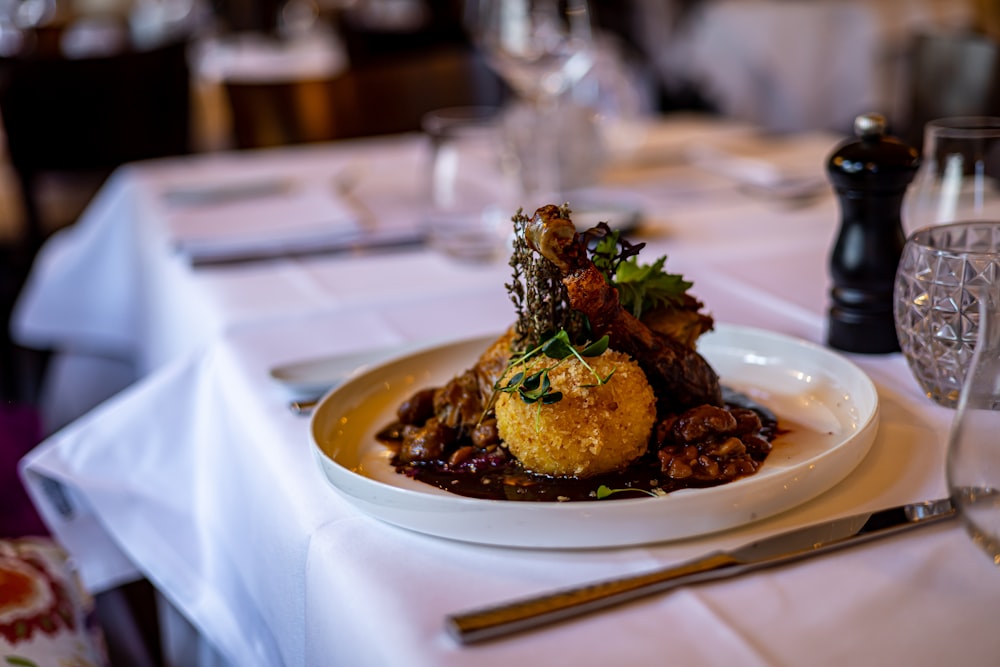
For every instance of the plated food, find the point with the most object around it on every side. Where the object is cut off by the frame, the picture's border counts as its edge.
(596, 391)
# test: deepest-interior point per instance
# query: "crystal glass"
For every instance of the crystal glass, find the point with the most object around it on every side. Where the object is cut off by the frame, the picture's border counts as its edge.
(973, 462)
(959, 173)
(942, 271)
(541, 48)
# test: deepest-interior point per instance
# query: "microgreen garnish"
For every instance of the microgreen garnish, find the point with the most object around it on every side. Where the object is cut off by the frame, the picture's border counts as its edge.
(603, 492)
(610, 249)
(537, 387)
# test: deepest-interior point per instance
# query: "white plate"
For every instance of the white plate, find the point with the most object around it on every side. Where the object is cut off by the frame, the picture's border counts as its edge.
(828, 404)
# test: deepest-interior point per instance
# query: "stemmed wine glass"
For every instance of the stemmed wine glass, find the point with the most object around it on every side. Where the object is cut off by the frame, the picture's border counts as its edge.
(959, 178)
(541, 48)
(973, 461)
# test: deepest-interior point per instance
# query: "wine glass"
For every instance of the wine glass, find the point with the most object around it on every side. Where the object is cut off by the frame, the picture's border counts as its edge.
(973, 461)
(959, 175)
(541, 48)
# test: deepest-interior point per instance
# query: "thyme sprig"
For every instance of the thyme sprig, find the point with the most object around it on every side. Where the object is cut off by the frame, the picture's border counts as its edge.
(536, 289)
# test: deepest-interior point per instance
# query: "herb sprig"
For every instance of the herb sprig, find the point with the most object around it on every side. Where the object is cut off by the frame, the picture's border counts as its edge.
(641, 287)
(603, 491)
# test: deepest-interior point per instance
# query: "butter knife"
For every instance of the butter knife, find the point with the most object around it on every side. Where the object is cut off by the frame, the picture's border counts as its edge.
(533, 612)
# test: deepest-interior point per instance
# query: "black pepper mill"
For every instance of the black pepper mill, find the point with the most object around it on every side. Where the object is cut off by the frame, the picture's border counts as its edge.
(870, 176)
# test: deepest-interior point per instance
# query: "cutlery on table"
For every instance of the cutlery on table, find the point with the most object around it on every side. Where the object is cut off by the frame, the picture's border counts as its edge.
(224, 193)
(386, 241)
(306, 382)
(533, 612)
(345, 184)
(303, 407)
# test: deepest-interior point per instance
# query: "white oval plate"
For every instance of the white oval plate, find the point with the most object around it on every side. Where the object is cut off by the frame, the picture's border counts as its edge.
(828, 405)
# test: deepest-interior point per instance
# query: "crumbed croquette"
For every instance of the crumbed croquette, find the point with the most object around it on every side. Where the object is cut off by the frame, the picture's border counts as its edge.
(592, 429)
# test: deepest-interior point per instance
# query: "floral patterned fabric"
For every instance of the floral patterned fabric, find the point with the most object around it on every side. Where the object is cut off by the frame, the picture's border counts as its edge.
(46, 618)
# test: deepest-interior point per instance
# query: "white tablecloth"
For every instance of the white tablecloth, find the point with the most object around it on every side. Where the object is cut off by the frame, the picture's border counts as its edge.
(199, 477)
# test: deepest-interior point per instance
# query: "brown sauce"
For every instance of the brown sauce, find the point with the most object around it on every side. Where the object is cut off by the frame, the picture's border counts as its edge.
(505, 479)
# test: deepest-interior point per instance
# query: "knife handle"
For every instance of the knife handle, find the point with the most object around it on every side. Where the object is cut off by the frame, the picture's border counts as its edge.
(503, 619)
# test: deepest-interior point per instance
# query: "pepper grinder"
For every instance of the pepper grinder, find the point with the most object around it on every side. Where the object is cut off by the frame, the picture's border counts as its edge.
(870, 175)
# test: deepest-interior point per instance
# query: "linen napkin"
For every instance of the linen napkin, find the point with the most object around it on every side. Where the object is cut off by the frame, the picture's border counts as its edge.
(259, 220)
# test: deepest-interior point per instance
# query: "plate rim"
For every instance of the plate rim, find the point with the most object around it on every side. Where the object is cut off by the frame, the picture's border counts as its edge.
(864, 432)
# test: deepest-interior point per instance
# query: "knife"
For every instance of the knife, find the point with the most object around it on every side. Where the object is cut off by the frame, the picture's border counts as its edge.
(528, 613)
(369, 243)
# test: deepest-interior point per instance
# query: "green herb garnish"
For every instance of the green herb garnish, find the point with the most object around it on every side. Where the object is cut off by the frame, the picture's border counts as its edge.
(19, 661)
(536, 387)
(641, 287)
(604, 491)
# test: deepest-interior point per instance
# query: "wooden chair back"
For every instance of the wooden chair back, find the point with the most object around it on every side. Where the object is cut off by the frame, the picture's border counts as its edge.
(384, 96)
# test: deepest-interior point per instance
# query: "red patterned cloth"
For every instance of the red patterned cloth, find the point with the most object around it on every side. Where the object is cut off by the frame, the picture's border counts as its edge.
(46, 618)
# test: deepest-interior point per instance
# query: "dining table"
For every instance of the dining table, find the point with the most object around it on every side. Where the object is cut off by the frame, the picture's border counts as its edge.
(198, 296)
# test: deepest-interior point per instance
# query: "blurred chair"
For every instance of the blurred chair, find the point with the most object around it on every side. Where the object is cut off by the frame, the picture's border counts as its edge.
(395, 66)
(392, 95)
(265, 114)
(383, 96)
(91, 114)
(952, 74)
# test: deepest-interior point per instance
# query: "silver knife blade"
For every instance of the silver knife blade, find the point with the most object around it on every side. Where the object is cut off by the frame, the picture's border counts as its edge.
(533, 612)
(367, 244)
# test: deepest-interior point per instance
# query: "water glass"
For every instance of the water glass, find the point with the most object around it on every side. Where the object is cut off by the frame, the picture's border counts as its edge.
(959, 173)
(552, 154)
(973, 461)
(468, 194)
(943, 271)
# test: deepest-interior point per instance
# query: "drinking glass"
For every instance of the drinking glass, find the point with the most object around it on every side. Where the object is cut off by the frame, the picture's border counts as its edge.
(959, 173)
(468, 202)
(541, 48)
(942, 272)
(973, 460)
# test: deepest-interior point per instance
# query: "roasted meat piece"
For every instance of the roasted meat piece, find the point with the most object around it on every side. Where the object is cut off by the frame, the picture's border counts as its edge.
(493, 363)
(679, 375)
(685, 324)
(426, 442)
(458, 404)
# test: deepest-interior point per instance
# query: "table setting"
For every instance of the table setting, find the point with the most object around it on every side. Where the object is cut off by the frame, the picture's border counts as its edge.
(231, 333)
